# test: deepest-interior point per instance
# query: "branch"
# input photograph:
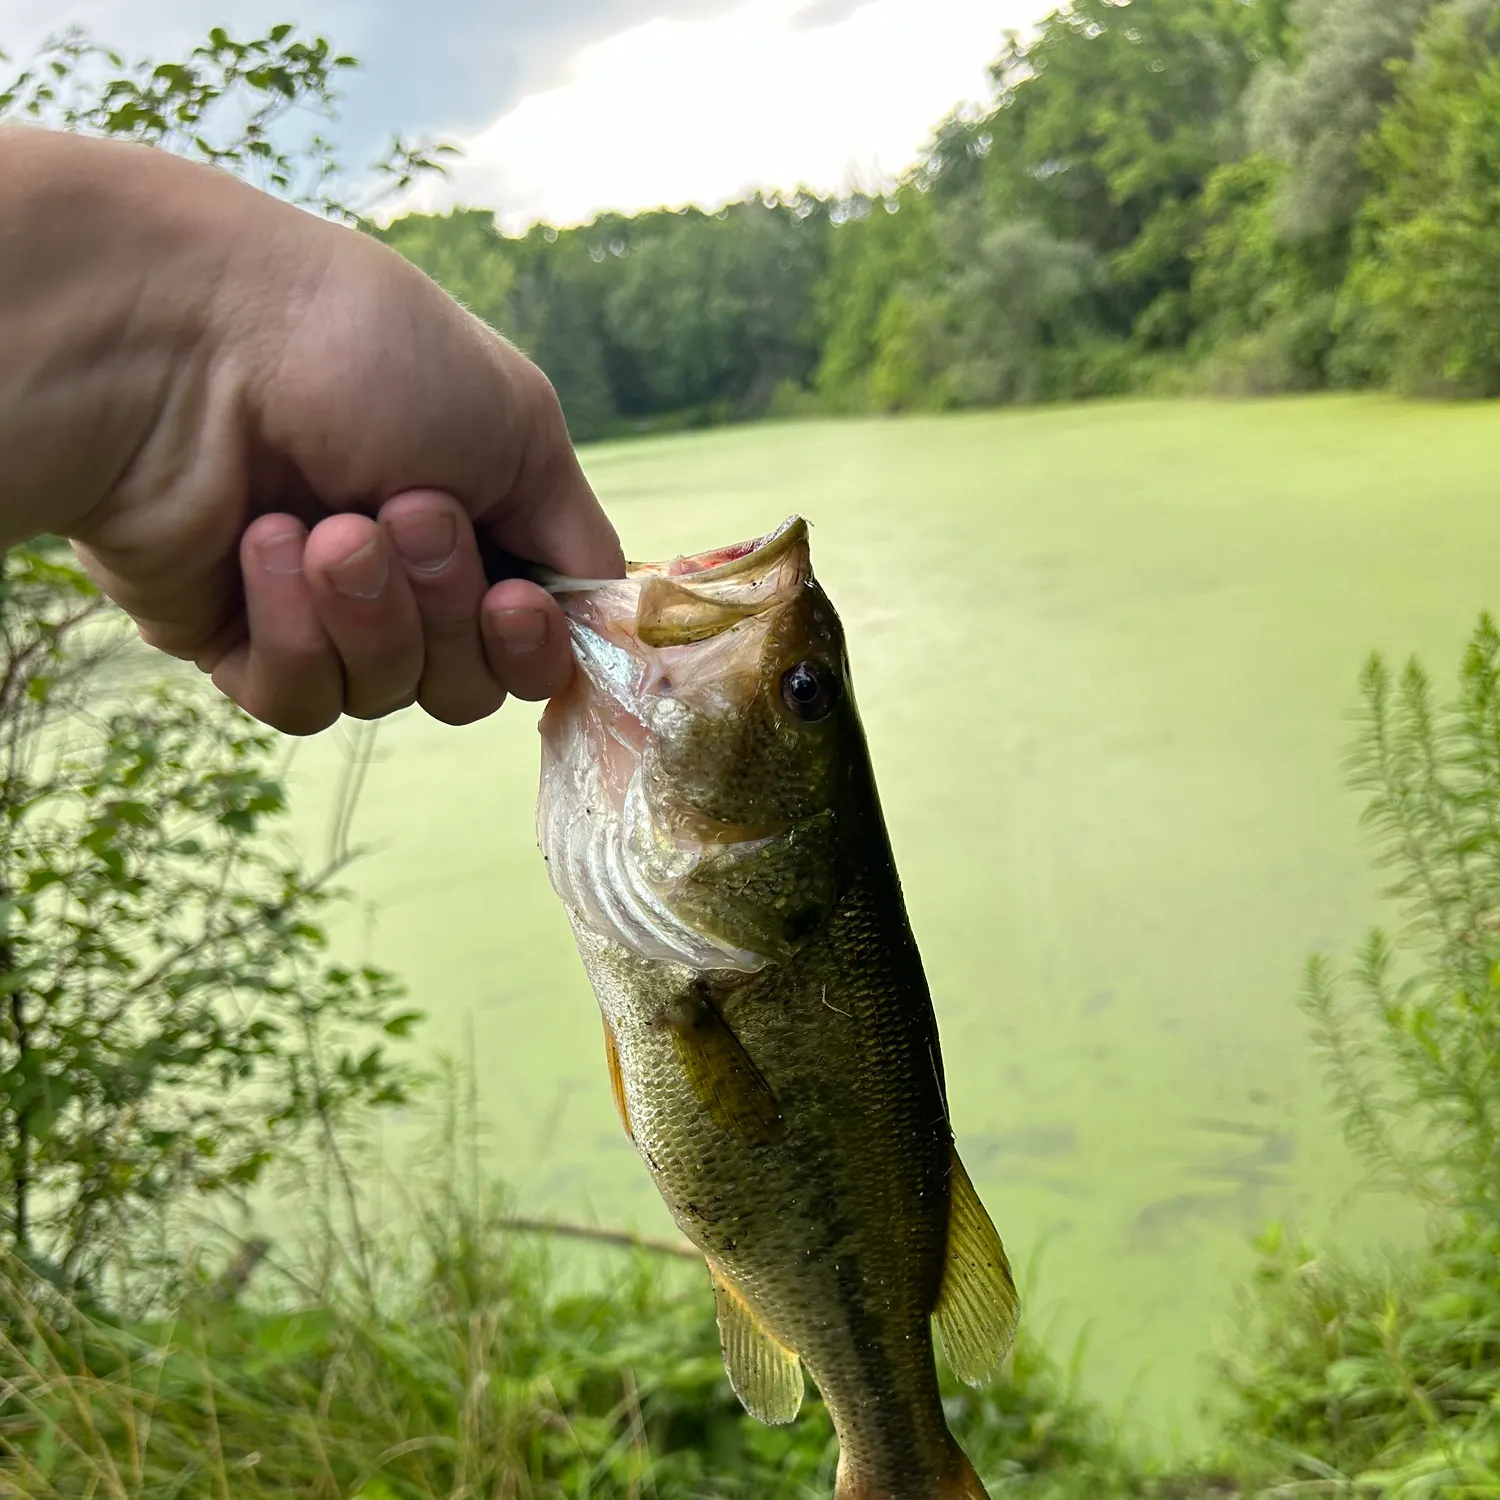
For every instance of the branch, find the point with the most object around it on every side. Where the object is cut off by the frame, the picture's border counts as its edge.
(620, 1237)
(230, 930)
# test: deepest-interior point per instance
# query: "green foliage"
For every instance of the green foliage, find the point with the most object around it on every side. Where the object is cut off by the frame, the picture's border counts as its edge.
(1372, 1379)
(169, 1019)
(1314, 110)
(967, 306)
(1385, 1379)
(879, 250)
(1035, 241)
(1164, 194)
(1414, 1065)
(440, 1355)
(1110, 120)
(713, 308)
(1262, 305)
(638, 319)
(463, 252)
(234, 105)
(1423, 297)
(1012, 297)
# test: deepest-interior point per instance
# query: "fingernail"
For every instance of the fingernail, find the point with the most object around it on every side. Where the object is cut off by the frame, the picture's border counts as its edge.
(280, 554)
(520, 630)
(363, 575)
(426, 539)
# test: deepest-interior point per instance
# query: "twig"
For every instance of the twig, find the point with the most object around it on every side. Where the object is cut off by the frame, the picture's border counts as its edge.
(622, 1237)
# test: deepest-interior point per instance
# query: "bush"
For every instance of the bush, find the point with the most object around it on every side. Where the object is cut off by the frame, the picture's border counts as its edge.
(1386, 1377)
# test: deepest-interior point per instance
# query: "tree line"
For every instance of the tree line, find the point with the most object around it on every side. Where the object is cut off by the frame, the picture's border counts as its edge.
(1233, 196)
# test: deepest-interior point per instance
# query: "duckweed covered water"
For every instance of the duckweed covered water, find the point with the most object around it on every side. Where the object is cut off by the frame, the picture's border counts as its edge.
(1105, 656)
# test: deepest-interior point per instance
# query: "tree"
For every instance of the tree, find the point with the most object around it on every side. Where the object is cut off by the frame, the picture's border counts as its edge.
(713, 309)
(1315, 112)
(246, 107)
(169, 1020)
(1422, 304)
(1262, 305)
(885, 261)
(1014, 295)
(1109, 120)
(463, 252)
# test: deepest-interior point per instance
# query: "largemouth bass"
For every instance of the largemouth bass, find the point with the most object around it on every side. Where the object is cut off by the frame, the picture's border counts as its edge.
(709, 818)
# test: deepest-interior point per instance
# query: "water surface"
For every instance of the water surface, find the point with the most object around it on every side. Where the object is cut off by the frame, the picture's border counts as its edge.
(1104, 656)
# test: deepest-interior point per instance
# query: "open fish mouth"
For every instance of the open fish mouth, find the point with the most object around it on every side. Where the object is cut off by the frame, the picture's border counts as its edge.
(669, 641)
(740, 562)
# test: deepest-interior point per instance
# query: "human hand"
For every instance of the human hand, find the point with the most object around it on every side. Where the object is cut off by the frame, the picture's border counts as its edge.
(286, 484)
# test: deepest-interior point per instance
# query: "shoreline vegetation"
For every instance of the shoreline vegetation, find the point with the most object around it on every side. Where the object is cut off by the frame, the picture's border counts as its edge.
(1160, 197)
(411, 1336)
(1165, 196)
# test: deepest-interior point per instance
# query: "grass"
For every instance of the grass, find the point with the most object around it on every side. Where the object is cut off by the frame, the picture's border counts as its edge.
(1103, 654)
(436, 1356)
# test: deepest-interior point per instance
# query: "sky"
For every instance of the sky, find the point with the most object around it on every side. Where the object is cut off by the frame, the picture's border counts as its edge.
(566, 108)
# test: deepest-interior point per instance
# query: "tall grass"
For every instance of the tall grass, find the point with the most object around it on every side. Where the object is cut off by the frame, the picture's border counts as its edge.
(444, 1354)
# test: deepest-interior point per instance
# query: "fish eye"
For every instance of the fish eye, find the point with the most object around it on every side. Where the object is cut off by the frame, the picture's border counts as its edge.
(810, 690)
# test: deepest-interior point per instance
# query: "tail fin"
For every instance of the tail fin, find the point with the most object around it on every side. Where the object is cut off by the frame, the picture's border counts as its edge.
(959, 1483)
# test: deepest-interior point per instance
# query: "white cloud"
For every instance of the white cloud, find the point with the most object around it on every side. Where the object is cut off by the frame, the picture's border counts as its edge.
(699, 111)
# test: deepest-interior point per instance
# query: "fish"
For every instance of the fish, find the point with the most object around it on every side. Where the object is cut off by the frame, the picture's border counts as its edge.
(709, 819)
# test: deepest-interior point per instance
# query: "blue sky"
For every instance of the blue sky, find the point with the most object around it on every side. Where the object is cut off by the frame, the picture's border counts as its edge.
(568, 107)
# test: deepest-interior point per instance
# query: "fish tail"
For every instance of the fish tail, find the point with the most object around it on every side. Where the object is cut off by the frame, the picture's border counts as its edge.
(961, 1482)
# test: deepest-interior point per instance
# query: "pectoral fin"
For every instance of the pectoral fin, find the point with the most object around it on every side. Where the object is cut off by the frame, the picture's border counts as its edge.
(977, 1306)
(765, 1374)
(616, 1078)
(722, 1073)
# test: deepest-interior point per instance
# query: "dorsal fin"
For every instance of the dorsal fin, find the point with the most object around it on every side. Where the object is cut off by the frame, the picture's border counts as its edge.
(765, 1374)
(977, 1307)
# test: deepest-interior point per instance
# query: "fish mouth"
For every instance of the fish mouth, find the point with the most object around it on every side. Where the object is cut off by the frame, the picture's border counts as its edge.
(740, 562)
(668, 629)
(671, 638)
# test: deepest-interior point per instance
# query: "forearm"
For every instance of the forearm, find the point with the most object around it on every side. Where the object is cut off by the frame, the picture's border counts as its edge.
(110, 260)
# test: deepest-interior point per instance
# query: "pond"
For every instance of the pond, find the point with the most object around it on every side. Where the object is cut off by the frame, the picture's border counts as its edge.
(1106, 656)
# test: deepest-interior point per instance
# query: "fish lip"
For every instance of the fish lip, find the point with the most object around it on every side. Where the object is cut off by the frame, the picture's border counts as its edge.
(719, 563)
(716, 565)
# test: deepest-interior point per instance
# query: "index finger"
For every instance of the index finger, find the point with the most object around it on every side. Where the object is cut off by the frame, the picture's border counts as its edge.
(550, 514)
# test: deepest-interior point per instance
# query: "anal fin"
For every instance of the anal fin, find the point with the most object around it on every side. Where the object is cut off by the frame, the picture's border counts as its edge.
(977, 1307)
(764, 1373)
(616, 1078)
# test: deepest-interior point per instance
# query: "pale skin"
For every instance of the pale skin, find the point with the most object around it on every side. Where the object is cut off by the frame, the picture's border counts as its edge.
(270, 439)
